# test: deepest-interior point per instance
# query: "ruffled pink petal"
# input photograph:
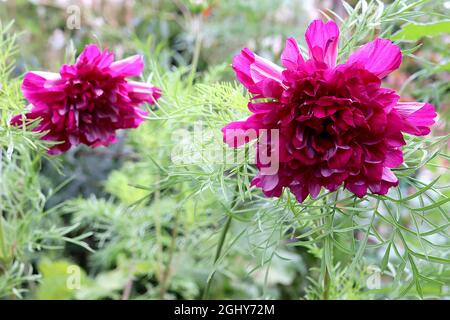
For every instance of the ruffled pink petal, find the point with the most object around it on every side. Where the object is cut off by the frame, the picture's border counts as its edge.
(389, 176)
(129, 67)
(340, 158)
(89, 53)
(314, 189)
(252, 69)
(43, 88)
(269, 88)
(270, 184)
(59, 148)
(417, 117)
(106, 142)
(394, 158)
(291, 56)
(233, 133)
(322, 39)
(92, 56)
(238, 133)
(388, 180)
(300, 192)
(379, 57)
(358, 188)
(17, 120)
(263, 107)
(144, 92)
(241, 66)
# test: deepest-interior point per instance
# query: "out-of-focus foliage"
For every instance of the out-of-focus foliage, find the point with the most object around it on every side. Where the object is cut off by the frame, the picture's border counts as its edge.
(26, 227)
(59, 279)
(154, 220)
(416, 31)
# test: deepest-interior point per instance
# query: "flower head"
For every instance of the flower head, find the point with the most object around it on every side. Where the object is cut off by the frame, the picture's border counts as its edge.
(88, 101)
(336, 123)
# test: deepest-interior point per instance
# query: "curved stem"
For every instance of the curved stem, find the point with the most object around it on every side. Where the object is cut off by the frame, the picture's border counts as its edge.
(218, 254)
(3, 246)
(158, 230)
(167, 271)
(328, 249)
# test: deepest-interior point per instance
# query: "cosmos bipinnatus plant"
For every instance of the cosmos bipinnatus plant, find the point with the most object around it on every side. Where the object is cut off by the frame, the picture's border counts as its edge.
(334, 126)
(27, 228)
(335, 123)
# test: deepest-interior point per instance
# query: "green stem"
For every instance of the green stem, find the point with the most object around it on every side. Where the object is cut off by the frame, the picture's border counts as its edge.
(218, 254)
(173, 244)
(3, 248)
(327, 256)
(2, 234)
(195, 58)
(328, 247)
(326, 285)
(158, 229)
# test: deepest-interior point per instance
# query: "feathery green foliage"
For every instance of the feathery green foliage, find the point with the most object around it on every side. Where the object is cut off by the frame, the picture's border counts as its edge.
(26, 227)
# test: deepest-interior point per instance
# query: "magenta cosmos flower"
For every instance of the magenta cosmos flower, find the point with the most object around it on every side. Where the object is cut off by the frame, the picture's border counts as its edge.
(88, 101)
(336, 123)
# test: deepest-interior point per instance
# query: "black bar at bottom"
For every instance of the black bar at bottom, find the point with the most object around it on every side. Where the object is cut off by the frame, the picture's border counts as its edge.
(210, 309)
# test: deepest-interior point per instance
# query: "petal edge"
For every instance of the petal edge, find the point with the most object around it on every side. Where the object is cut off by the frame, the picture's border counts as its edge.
(379, 57)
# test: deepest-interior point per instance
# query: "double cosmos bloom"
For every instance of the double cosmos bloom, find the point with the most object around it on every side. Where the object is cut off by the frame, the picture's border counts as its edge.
(336, 123)
(87, 102)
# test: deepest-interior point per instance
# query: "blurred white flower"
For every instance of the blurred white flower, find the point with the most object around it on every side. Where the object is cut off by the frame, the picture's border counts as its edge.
(57, 40)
